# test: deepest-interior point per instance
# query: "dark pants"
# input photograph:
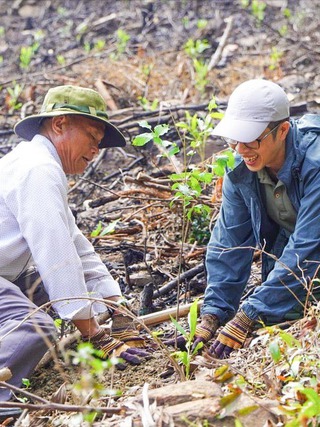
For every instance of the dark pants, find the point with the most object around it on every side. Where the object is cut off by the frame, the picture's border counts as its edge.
(25, 334)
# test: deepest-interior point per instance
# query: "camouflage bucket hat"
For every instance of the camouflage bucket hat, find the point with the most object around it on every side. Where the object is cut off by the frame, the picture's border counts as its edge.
(74, 100)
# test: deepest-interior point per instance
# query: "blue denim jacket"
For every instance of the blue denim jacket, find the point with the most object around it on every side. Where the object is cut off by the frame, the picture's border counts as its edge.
(289, 260)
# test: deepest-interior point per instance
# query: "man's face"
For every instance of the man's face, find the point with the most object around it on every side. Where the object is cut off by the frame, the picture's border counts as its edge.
(270, 153)
(77, 142)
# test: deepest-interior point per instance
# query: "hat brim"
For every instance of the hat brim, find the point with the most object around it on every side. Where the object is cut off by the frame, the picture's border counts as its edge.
(27, 128)
(239, 130)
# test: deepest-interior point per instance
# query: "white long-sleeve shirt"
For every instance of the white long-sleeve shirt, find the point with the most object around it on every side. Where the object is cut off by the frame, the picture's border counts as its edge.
(37, 227)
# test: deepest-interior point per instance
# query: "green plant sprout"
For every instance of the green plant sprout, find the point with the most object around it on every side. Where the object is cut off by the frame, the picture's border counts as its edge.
(121, 44)
(198, 129)
(92, 370)
(26, 382)
(99, 231)
(146, 69)
(189, 184)
(146, 105)
(194, 49)
(27, 53)
(257, 8)
(14, 92)
(155, 135)
(298, 371)
(60, 59)
(99, 45)
(185, 357)
(202, 23)
(275, 57)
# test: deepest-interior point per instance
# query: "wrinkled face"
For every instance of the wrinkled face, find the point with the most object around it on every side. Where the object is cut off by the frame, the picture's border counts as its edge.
(271, 152)
(76, 139)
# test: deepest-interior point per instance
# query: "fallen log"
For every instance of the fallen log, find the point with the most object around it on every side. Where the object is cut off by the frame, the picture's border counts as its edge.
(186, 275)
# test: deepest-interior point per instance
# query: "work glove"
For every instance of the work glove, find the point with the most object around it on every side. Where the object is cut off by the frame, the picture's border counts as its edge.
(110, 346)
(232, 336)
(204, 332)
(124, 329)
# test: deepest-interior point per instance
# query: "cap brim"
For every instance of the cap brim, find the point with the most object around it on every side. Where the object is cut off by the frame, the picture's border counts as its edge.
(239, 130)
(27, 128)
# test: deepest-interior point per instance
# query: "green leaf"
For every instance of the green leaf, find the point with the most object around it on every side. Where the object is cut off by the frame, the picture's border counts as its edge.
(247, 410)
(110, 228)
(173, 151)
(26, 382)
(231, 397)
(289, 339)
(144, 124)
(97, 230)
(142, 139)
(179, 327)
(161, 129)
(193, 317)
(218, 170)
(312, 406)
(275, 351)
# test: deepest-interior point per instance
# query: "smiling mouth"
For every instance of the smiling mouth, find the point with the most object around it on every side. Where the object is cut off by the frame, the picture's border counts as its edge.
(251, 159)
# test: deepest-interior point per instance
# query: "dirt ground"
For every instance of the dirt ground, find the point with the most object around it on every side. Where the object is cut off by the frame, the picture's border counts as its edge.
(76, 42)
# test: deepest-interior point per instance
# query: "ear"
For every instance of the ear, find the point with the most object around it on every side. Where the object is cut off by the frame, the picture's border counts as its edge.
(58, 123)
(283, 130)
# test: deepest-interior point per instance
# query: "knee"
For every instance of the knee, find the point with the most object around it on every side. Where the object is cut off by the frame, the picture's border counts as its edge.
(43, 325)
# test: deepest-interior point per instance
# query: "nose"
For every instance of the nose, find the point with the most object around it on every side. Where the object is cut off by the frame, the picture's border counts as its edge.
(95, 150)
(241, 147)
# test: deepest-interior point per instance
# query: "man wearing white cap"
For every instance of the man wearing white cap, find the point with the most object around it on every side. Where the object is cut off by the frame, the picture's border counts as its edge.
(43, 255)
(271, 200)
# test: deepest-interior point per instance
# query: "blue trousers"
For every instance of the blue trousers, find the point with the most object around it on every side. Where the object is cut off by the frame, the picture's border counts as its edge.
(23, 340)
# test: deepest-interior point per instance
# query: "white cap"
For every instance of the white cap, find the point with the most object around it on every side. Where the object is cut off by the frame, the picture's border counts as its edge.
(251, 107)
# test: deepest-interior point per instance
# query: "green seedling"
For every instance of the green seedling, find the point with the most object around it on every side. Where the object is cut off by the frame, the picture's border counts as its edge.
(194, 49)
(14, 93)
(121, 44)
(99, 231)
(185, 357)
(146, 105)
(60, 59)
(257, 9)
(189, 184)
(275, 58)
(27, 53)
(197, 129)
(155, 135)
(202, 23)
(26, 382)
(92, 371)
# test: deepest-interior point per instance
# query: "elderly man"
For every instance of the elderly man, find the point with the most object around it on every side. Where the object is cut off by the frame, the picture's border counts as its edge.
(43, 255)
(270, 201)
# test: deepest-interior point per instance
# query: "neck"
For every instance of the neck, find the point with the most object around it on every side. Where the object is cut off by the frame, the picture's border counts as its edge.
(272, 173)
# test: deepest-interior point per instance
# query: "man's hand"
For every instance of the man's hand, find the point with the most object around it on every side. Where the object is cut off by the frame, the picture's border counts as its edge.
(110, 346)
(124, 329)
(232, 336)
(204, 332)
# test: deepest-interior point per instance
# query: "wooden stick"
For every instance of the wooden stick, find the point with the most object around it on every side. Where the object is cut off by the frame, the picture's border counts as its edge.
(164, 315)
(173, 283)
(217, 54)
